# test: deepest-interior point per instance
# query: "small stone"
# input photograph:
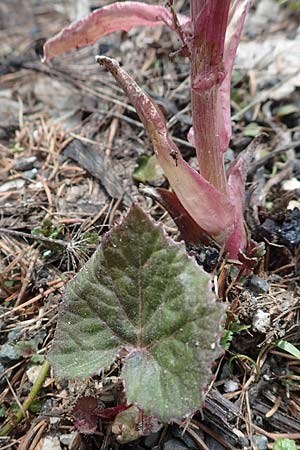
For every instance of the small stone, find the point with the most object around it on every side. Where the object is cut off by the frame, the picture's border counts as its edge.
(47, 406)
(291, 184)
(50, 443)
(54, 420)
(7, 353)
(229, 157)
(33, 373)
(66, 439)
(186, 438)
(296, 136)
(12, 185)
(260, 442)
(31, 174)
(231, 386)
(174, 444)
(259, 420)
(152, 439)
(261, 321)
(13, 336)
(243, 441)
(225, 371)
(212, 444)
(25, 163)
(38, 185)
(258, 285)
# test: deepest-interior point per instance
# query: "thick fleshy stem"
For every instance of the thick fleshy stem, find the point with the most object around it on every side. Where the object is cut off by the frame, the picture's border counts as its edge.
(209, 18)
(206, 137)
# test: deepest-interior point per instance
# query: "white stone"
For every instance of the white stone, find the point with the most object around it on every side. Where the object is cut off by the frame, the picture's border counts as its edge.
(50, 443)
(261, 321)
(231, 386)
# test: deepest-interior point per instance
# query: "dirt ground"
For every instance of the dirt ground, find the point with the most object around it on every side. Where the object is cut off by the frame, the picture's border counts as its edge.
(72, 151)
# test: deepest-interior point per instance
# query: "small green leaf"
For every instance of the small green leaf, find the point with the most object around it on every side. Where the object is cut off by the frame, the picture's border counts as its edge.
(37, 359)
(252, 130)
(35, 406)
(285, 110)
(237, 327)
(142, 293)
(132, 423)
(148, 169)
(226, 339)
(234, 327)
(17, 149)
(125, 425)
(288, 347)
(14, 407)
(284, 444)
(294, 6)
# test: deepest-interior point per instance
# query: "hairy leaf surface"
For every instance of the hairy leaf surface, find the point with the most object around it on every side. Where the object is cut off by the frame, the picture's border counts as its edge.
(141, 294)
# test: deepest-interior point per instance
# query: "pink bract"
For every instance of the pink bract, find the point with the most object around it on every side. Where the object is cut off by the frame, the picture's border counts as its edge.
(212, 199)
(115, 17)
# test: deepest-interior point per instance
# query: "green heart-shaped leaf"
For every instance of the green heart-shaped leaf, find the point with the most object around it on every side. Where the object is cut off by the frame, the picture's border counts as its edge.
(142, 294)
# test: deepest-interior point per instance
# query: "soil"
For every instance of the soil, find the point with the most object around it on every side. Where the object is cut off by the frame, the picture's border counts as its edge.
(69, 146)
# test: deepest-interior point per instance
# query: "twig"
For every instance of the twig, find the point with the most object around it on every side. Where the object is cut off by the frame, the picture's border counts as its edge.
(34, 299)
(213, 434)
(34, 237)
(263, 96)
(28, 275)
(140, 125)
(262, 161)
(276, 436)
(32, 395)
(194, 435)
(33, 436)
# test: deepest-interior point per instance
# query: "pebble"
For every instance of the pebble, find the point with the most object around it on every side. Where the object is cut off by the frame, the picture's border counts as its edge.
(261, 442)
(186, 438)
(38, 185)
(212, 444)
(291, 184)
(13, 336)
(259, 420)
(33, 373)
(231, 386)
(66, 439)
(174, 444)
(50, 443)
(12, 185)
(261, 321)
(54, 420)
(152, 439)
(8, 353)
(25, 163)
(258, 285)
(229, 157)
(31, 174)
(243, 441)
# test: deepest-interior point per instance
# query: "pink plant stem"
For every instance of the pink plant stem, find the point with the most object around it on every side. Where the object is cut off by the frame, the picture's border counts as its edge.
(209, 18)
(206, 137)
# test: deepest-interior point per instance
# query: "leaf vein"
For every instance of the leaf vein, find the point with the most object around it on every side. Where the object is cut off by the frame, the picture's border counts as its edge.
(94, 310)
